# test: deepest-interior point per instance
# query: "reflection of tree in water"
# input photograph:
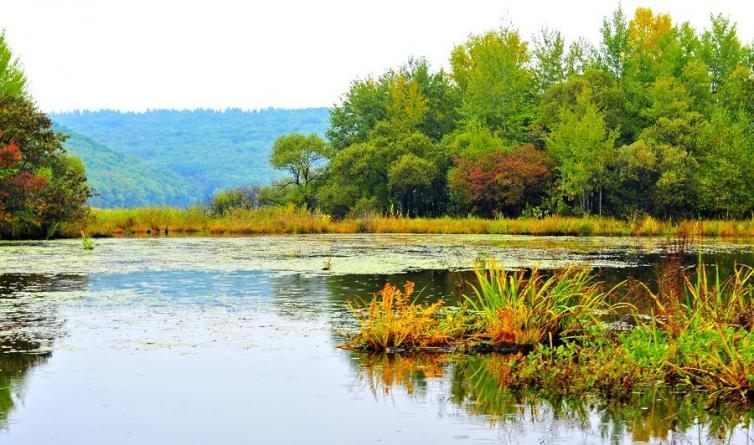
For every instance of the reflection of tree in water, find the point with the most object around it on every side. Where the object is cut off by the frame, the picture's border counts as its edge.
(29, 324)
(480, 385)
(14, 368)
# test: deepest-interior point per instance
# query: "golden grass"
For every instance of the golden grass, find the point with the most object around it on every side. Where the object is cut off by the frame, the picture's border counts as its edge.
(288, 219)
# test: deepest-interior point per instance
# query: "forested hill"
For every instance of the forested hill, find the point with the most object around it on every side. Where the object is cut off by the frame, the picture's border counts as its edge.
(121, 180)
(179, 157)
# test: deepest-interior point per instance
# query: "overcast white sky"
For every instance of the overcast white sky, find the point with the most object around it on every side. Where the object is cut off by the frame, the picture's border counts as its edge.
(140, 54)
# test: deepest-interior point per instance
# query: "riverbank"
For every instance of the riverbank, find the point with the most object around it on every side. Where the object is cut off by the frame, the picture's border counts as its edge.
(290, 220)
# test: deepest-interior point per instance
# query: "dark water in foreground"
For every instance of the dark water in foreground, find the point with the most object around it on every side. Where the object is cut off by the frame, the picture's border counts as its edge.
(232, 341)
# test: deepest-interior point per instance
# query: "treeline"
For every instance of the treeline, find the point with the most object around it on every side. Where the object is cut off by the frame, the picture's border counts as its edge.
(656, 119)
(41, 186)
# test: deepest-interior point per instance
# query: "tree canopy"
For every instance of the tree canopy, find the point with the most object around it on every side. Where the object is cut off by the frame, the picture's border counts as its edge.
(656, 119)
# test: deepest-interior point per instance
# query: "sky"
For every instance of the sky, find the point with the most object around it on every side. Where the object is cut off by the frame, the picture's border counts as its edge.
(184, 54)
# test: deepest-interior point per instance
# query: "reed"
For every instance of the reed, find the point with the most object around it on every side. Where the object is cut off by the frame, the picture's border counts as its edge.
(525, 308)
(289, 219)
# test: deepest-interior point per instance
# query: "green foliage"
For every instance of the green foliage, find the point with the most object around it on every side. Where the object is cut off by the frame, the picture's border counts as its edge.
(302, 156)
(582, 146)
(526, 308)
(245, 197)
(120, 180)
(12, 78)
(496, 83)
(86, 243)
(41, 187)
(192, 154)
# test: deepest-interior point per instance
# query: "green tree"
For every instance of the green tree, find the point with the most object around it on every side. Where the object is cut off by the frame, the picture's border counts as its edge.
(410, 181)
(496, 83)
(582, 144)
(302, 156)
(12, 78)
(726, 181)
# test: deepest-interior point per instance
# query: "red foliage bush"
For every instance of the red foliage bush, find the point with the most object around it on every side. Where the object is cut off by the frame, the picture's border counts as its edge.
(501, 182)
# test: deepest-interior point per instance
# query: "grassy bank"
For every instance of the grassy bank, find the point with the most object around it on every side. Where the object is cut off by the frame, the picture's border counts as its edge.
(283, 220)
(566, 335)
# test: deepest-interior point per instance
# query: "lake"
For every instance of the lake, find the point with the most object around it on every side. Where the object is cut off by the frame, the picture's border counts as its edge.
(233, 341)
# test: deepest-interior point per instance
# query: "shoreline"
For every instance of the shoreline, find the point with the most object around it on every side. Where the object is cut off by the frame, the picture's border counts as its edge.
(105, 223)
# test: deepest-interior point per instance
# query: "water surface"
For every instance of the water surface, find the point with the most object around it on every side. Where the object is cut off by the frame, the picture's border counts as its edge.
(232, 341)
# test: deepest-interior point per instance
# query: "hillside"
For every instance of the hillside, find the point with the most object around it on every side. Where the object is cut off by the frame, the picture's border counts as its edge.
(208, 150)
(121, 180)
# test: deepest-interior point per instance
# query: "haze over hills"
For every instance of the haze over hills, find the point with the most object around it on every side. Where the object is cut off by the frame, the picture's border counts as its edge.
(169, 157)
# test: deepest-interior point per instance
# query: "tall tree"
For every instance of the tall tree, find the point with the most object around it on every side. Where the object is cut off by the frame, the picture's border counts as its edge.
(492, 71)
(582, 144)
(302, 156)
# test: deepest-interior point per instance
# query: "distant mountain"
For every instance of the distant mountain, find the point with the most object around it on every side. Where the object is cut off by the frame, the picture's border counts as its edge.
(121, 180)
(191, 154)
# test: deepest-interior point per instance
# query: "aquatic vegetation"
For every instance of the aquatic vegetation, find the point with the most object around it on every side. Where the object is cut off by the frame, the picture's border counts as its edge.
(393, 321)
(696, 336)
(290, 219)
(86, 242)
(525, 308)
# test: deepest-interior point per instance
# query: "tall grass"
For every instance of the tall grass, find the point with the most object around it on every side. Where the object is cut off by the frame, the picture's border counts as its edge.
(392, 321)
(527, 308)
(289, 219)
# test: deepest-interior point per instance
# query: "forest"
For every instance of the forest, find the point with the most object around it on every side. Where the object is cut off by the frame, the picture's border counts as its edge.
(655, 119)
(178, 157)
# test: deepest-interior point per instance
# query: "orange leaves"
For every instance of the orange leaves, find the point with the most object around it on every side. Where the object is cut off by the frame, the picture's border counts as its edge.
(392, 321)
(10, 155)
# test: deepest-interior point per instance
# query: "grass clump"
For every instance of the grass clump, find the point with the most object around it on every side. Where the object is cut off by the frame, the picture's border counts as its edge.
(86, 243)
(392, 321)
(525, 308)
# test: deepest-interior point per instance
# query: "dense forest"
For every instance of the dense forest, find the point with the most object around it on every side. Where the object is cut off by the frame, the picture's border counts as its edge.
(179, 157)
(41, 186)
(121, 180)
(655, 119)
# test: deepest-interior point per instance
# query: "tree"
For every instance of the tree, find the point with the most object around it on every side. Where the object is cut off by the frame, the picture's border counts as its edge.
(410, 181)
(41, 187)
(302, 155)
(726, 181)
(501, 182)
(582, 144)
(12, 78)
(496, 83)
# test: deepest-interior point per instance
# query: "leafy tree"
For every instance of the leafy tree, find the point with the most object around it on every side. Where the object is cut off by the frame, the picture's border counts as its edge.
(501, 182)
(302, 156)
(614, 48)
(496, 83)
(582, 144)
(726, 181)
(41, 187)
(410, 181)
(12, 78)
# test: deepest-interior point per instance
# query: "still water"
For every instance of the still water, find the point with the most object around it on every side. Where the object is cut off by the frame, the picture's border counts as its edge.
(233, 341)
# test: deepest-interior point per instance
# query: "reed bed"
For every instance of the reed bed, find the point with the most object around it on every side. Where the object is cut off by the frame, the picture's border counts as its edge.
(289, 219)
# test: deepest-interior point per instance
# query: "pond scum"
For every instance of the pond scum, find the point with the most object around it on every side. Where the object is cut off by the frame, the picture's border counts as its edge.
(289, 219)
(564, 335)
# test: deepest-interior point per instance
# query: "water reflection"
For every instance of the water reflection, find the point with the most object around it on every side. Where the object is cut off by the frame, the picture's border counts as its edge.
(170, 314)
(480, 385)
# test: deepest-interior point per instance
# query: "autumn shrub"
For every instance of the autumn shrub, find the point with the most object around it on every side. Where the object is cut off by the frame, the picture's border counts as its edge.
(500, 182)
